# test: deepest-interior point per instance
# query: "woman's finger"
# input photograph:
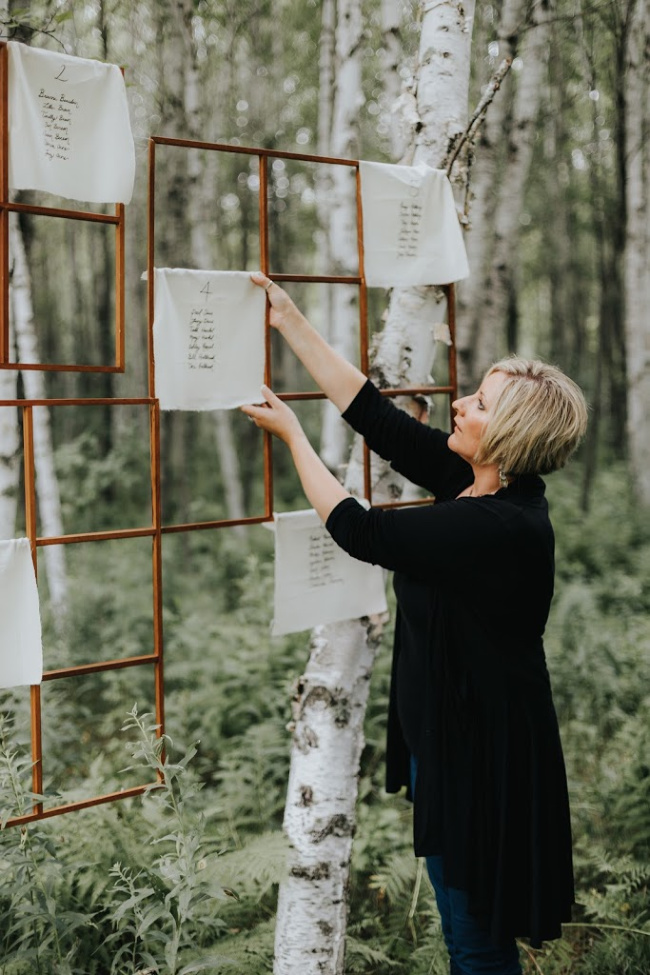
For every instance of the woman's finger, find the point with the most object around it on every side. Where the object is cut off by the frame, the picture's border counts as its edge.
(261, 280)
(270, 396)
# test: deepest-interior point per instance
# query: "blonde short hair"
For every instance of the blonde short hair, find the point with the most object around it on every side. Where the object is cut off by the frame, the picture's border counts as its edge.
(537, 421)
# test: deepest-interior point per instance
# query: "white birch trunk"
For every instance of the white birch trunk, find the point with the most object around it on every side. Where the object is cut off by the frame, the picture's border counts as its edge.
(198, 205)
(9, 452)
(489, 333)
(326, 89)
(344, 142)
(330, 700)
(47, 487)
(392, 58)
(486, 184)
(637, 250)
(9, 439)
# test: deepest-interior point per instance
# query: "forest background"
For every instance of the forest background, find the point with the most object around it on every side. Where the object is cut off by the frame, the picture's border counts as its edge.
(186, 879)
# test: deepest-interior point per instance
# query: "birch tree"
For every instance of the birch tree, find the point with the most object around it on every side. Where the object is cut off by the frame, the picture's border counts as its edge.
(199, 203)
(9, 447)
(499, 173)
(392, 61)
(495, 326)
(637, 250)
(9, 443)
(47, 487)
(341, 228)
(331, 696)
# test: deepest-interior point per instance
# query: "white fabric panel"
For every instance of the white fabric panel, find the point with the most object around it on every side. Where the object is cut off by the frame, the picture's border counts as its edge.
(21, 650)
(69, 128)
(411, 233)
(316, 582)
(208, 339)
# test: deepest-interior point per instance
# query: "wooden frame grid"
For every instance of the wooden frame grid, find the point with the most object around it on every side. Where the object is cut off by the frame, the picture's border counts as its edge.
(7, 207)
(153, 531)
(156, 529)
(263, 156)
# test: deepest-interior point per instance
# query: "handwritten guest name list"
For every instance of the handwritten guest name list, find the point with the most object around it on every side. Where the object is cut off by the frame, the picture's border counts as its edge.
(58, 113)
(201, 352)
(323, 554)
(208, 336)
(410, 226)
(315, 580)
(69, 128)
(408, 240)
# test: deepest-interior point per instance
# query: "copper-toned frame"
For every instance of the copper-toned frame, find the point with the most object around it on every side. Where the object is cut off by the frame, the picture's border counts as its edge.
(263, 156)
(156, 530)
(7, 207)
(155, 658)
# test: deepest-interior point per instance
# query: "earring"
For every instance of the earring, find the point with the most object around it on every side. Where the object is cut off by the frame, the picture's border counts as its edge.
(503, 478)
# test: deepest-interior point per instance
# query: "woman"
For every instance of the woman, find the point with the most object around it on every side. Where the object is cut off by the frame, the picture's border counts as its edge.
(472, 731)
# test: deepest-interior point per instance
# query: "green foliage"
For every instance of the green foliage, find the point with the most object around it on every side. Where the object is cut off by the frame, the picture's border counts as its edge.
(153, 882)
(164, 910)
(40, 929)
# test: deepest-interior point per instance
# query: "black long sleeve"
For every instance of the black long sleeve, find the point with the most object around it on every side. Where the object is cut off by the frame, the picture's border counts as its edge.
(414, 449)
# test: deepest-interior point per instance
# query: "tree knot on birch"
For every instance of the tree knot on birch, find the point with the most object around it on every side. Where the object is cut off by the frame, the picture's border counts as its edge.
(326, 698)
(339, 825)
(374, 626)
(319, 871)
(306, 796)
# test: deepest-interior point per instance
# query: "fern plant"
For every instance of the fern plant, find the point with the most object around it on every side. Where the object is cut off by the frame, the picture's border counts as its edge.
(162, 910)
(39, 933)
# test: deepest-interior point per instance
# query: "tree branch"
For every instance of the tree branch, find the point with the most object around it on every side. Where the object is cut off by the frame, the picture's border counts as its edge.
(479, 114)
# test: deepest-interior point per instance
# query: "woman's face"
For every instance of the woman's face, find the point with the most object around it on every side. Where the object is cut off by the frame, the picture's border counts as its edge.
(472, 415)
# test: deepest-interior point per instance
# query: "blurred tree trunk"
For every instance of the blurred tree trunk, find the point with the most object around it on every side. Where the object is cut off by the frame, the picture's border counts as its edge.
(392, 60)
(568, 285)
(342, 217)
(103, 314)
(610, 219)
(331, 696)
(9, 438)
(173, 237)
(200, 202)
(488, 298)
(497, 322)
(9, 454)
(47, 488)
(326, 89)
(486, 183)
(637, 249)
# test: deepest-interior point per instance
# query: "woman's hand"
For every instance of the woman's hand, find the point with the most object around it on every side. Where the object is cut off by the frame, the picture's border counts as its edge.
(276, 417)
(338, 378)
(283, 310)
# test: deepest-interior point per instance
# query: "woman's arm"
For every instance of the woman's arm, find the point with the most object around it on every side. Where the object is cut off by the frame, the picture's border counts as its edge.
(323, 490)
(338, 378)
(455, 540)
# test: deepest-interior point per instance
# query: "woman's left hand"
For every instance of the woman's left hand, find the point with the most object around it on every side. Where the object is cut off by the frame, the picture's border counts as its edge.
(275, 416)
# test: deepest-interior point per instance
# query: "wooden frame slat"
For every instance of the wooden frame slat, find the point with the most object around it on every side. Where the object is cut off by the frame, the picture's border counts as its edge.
(157, 529)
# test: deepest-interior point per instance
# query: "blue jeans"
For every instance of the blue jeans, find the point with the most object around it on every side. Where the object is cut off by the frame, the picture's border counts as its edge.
(470, 950)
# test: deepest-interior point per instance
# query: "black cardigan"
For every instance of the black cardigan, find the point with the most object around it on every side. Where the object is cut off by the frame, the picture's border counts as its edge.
(477, 573)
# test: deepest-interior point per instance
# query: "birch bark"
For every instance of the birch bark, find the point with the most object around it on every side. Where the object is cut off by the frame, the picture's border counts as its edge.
(199, 203)
(637, 249)
(331, 696)
(392, 60)
(487, 181)
(9, 441)
(47, 487)
(9, 446)
(494, 324)
(344, 142)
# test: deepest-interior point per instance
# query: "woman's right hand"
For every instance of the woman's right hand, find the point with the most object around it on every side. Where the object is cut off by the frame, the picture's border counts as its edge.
(283, 310)
(339, 379)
